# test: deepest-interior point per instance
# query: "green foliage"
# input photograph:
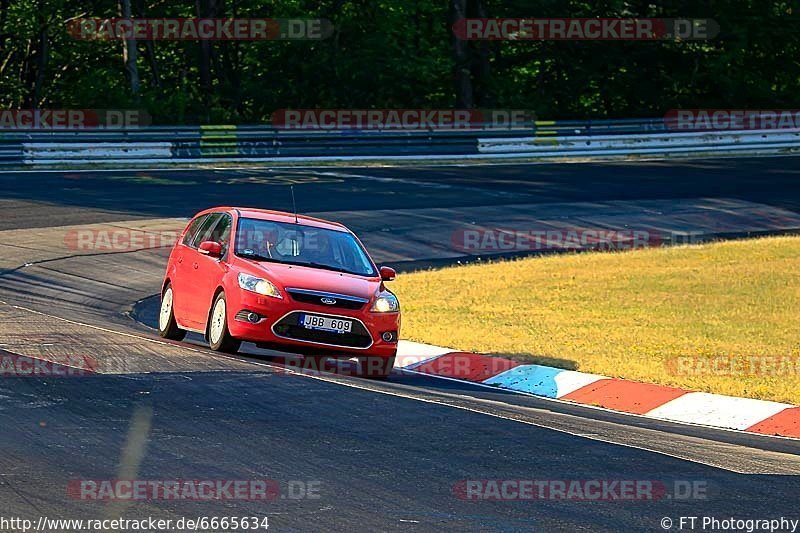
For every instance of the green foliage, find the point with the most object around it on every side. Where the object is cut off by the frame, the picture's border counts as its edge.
(399, 53)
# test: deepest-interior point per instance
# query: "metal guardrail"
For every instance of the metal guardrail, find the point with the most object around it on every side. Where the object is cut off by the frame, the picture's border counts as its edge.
(612, 138)
(189, 133)
(659, 143)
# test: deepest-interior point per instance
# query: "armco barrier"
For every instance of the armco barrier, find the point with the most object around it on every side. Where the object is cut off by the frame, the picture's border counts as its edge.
(773, 141)
(96, 151)
(11, 154)
(590, 139)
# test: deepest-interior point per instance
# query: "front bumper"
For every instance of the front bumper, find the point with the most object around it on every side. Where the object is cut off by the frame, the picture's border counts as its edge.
(279, 329)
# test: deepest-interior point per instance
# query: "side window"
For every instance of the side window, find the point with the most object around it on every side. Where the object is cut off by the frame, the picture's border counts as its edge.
(204, 232)
(222, 231)
(191, 231)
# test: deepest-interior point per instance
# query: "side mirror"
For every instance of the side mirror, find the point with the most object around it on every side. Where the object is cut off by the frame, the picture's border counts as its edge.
(211, 249)
(388, 273)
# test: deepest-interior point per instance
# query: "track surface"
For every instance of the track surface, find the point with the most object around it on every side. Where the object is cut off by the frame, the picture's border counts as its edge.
(50, 198)
(387, 455)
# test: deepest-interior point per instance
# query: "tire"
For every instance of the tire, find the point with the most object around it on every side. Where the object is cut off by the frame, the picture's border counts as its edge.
(219, 338)
(375, 367)
(167, 326)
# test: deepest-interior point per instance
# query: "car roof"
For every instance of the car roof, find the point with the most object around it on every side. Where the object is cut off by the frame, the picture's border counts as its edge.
(281, 216)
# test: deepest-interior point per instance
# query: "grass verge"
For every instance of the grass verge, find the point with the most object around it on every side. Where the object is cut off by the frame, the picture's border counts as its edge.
(721, 317)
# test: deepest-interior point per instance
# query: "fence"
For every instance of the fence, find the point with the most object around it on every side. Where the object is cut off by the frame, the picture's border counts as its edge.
(543, 139)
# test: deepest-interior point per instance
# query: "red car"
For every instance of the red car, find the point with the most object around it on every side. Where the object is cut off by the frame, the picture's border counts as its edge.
(283, 281)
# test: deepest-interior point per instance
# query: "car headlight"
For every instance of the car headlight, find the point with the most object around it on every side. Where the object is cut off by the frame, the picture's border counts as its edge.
(386, 303)
(258, 285)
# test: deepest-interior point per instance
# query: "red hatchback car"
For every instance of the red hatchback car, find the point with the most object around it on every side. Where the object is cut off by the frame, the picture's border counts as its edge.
(292, 283)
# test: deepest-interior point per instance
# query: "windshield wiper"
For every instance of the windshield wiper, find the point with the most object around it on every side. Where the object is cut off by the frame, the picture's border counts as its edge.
(329, 267)
(312, 264)
(323, 266)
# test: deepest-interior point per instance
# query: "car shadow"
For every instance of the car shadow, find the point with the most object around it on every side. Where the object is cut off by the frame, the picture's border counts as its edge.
(145, 312)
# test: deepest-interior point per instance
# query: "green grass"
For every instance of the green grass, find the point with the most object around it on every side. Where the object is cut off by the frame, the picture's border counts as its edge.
(624, 314)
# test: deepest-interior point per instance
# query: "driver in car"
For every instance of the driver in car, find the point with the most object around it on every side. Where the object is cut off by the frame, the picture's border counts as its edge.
(259, 241)
(318, 249)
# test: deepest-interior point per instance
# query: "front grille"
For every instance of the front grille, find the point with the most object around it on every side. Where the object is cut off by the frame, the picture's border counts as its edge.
(289, 327)
(341, 301)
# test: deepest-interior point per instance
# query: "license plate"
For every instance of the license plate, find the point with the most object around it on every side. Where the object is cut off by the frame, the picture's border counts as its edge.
(324, 323)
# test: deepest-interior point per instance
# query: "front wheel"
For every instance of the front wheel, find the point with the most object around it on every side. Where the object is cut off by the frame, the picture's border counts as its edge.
(167, 326)
(219, 338)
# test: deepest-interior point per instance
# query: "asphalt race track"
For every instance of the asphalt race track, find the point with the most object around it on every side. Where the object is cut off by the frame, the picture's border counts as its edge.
(348, 454)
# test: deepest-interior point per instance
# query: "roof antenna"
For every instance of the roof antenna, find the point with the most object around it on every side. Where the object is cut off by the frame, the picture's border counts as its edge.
(294, 205)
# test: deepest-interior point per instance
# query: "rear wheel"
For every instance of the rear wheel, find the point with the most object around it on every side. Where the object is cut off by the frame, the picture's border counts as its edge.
(167, 326)
(219, 338)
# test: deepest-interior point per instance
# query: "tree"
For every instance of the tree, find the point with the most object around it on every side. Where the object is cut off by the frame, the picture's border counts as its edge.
(130, 53)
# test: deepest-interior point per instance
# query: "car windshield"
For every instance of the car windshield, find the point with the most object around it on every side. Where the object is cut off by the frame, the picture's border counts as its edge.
(297, 244)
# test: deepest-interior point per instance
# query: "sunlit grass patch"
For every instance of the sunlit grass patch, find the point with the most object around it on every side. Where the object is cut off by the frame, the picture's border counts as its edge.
(627, 314)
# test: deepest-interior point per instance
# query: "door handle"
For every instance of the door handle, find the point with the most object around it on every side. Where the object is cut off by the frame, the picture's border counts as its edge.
(194, 265)
(180, 260)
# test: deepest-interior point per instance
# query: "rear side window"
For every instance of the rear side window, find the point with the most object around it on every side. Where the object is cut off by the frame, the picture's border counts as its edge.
(191, 232)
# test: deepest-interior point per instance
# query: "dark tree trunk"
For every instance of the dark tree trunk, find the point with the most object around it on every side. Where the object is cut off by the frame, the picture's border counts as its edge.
(462, 71)
(130, 53)
(482, 71)
(41, 64)
(36, 60)
(149, 49)
(3, 18)
(205, 9)
(230, 61)
(5, 54)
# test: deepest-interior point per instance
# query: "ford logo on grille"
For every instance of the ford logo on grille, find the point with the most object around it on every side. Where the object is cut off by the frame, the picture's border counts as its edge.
(328, 301)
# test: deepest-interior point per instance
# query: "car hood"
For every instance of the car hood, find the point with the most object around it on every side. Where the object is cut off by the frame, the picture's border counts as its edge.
(317, 279)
